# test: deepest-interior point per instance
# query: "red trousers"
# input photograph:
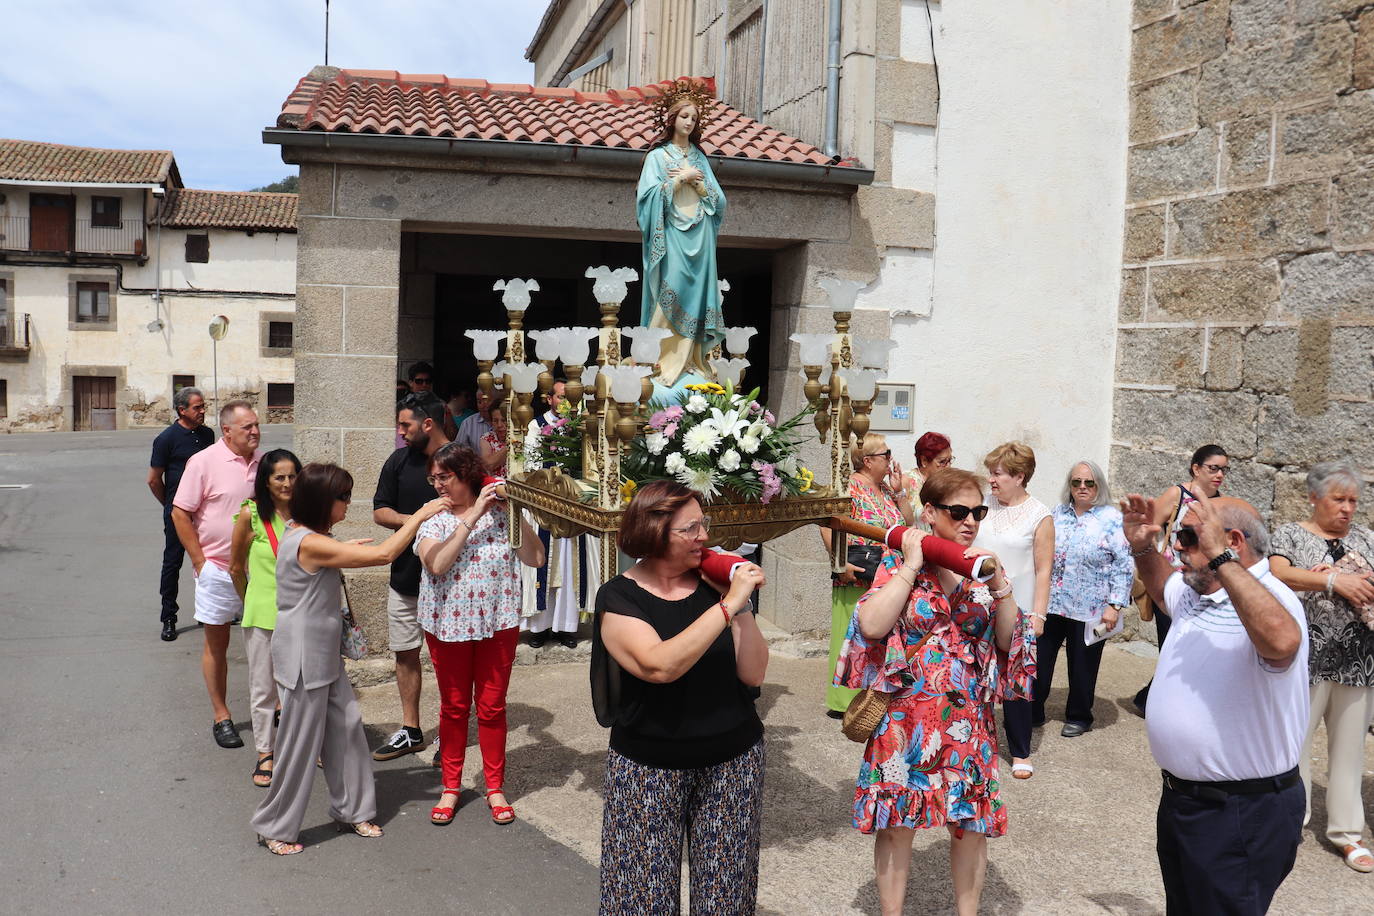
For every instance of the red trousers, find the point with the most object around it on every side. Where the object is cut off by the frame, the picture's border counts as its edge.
(479, 667)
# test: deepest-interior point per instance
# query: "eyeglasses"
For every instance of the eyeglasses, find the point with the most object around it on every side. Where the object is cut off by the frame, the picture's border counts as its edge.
(959, 513)
(943, 462)
(1076, 483)
(702, 524)
(435, 480)
(886, 454)
(1217, 468)
(1186, 538)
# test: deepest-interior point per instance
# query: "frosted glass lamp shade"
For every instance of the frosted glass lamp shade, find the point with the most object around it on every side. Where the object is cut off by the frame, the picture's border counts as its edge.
(731, 370)
(575, 344)
(842, 293)
(863, 383)
(737, 340)
(589, 377)
(609, 284)
(485, 343)
(872, 352)
(646, 343)
(815, 348)
(625, 385)
(547, 343)
(524, 377)
(515, 294)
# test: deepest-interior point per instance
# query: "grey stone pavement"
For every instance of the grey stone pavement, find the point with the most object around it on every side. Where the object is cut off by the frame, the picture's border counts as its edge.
(118, 800)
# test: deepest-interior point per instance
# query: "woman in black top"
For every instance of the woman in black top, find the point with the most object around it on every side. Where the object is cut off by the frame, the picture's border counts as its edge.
(686, 754)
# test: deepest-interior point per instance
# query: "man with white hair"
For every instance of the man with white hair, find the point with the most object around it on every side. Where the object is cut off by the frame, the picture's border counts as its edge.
(215, 484)
(1228, 709)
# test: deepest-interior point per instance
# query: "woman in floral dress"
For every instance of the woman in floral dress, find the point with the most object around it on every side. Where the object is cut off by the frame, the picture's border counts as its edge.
(469, 609)
(947, 649)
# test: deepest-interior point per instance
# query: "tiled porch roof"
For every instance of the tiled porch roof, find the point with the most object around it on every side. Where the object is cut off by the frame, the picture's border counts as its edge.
(190, 208)
(431, 105)
(28, 160)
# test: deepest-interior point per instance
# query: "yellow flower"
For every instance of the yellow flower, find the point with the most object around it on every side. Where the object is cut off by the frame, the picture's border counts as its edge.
(807, 478)
(627, 490)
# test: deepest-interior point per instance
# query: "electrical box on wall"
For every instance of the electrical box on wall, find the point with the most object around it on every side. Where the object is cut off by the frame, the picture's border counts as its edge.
(893, 407)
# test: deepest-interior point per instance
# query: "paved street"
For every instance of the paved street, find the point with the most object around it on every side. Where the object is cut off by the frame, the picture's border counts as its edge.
(119, 801)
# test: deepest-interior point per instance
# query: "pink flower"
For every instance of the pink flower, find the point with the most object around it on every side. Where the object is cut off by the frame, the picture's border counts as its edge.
(658, 420)
(769, 418)
(768, 476)
(674, 413)
(669, 430)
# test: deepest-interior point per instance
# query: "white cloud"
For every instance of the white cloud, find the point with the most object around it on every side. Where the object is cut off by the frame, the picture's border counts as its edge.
(204, 79)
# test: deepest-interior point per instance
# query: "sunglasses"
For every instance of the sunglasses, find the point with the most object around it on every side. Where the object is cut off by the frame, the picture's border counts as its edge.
(886, 454)
(959, 513)
(1186, 538)
(1076, 483)
(422, 380)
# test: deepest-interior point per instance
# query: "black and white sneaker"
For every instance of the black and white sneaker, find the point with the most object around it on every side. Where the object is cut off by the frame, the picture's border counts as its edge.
(402, 743)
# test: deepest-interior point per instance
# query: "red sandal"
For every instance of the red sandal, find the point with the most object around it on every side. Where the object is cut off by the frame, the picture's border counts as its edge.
(500, 814)
(439, 816)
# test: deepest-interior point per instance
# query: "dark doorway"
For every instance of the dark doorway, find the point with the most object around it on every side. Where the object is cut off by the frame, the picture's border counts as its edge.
(51, 221)
(94, 397)
(465, 268)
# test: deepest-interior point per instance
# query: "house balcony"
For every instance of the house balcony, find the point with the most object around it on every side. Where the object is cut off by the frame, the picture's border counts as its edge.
(15, 334)
(121, 238)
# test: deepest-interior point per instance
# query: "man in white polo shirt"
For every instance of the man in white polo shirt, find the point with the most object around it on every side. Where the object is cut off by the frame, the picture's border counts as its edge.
(1228, 709)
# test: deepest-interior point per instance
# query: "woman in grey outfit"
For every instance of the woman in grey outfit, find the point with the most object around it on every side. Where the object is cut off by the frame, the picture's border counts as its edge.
(319, 711)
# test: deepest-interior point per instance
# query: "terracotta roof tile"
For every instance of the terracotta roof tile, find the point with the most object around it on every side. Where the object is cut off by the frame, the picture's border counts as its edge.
(430, 105)
(27, 160)
(190, 208)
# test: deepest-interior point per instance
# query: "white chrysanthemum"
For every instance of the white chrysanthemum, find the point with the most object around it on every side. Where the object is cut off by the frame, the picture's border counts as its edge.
(729, 462)
(696, 404)
(675, 463)
(895, 770)
(701, 481)
(750, 444)
(700, 439)
(655, 443)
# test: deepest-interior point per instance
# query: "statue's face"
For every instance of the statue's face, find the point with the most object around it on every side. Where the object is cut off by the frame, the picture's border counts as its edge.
(686, 120)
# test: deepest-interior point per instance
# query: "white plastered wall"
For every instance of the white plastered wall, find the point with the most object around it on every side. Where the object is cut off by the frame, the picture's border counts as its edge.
(1030, 185)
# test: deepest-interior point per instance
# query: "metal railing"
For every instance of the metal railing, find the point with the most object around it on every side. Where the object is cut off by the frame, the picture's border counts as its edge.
(15, 332)
(126, 236)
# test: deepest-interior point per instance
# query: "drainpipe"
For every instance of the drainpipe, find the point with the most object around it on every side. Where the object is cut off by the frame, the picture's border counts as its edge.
(629, 41)
(763, 58)
(161, 195)
(832, 80)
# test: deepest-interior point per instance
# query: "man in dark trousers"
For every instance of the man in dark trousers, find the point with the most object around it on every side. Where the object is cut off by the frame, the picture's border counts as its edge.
(1228, 709)
(171, 450)
(402, 488)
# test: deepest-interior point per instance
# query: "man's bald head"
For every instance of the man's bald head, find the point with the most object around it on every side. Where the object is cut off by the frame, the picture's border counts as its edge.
(1239, 515)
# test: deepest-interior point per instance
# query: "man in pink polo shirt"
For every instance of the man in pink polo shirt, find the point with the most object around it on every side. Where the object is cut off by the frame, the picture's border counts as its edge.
(216, 482)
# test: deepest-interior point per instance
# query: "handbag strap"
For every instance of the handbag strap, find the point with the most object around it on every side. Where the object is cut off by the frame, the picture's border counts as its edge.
(348, 605)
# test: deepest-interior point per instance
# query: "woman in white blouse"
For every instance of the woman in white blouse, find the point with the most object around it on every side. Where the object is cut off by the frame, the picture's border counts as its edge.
(469, 608)
(1020, 531)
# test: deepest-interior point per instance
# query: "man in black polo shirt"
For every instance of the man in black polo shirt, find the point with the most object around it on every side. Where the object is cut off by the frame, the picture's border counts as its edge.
(402, 488)
(172, 448)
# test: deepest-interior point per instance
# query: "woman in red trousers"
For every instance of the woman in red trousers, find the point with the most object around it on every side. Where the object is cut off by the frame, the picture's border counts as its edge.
(469, 609)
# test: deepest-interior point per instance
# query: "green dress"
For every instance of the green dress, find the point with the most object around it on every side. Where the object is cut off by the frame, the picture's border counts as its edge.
(260, 600)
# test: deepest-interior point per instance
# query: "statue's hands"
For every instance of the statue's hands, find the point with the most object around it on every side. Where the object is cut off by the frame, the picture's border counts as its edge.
(686, 174)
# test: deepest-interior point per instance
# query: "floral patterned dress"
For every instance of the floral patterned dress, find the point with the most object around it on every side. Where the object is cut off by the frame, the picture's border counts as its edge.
(480, 594)
(932, 760)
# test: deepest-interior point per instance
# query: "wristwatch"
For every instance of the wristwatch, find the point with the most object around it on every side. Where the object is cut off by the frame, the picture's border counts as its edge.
(1226, 556)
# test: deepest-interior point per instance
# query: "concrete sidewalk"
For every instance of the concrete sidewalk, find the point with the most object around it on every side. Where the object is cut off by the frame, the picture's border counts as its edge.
(1082, 830)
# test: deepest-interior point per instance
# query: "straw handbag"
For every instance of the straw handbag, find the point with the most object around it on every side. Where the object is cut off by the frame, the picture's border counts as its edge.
(869, 707)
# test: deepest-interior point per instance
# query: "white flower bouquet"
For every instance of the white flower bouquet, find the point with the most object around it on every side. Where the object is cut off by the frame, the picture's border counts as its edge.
(721, 444)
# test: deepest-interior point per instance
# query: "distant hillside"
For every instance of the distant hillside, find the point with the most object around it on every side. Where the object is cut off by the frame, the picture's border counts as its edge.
(288, 185)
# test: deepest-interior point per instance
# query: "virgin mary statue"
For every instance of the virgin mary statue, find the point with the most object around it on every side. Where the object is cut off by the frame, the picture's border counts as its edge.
(679, 209)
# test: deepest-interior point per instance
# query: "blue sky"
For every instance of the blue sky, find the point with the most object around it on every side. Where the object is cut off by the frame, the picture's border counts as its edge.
(203, 78)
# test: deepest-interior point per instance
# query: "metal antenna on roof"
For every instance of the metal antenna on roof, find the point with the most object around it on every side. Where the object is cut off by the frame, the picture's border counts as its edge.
(326, 33)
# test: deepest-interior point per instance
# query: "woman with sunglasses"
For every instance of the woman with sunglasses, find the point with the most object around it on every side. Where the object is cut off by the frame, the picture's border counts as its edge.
(674, 660)
(319, 710)
(1327, 560)
(469, 610)
(1020, 531)
(878, 496)
(947, 649)
(1090, 583)
(1207, 471)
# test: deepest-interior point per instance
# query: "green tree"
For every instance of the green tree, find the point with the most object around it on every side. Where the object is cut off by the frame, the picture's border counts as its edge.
(291, 184)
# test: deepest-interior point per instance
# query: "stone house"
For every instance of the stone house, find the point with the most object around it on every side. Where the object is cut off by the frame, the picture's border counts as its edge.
(110, 272)
(1072, 219)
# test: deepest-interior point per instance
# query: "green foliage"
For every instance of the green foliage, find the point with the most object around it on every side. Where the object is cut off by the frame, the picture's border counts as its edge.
(291, 184)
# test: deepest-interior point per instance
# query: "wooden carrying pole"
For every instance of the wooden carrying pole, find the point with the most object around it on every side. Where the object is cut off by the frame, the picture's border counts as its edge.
(858, 529)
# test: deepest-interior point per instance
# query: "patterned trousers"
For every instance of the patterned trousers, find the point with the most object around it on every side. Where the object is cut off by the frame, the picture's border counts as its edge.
(649, 812)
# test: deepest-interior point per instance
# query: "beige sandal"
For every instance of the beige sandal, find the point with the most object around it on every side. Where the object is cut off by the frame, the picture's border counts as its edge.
(362, 828)
(279, 847)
